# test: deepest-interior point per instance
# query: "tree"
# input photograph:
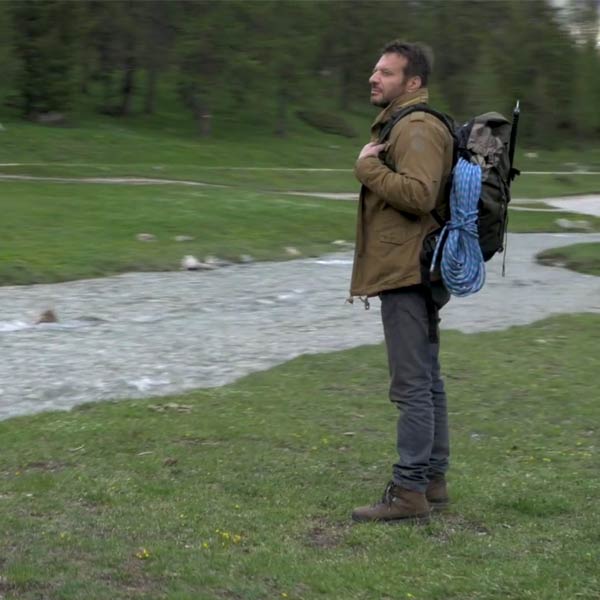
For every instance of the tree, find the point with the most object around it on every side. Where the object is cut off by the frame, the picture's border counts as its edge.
(44, 39)
(158, 35)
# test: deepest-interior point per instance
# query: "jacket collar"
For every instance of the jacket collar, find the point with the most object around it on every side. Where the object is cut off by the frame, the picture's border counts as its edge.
(416, 97)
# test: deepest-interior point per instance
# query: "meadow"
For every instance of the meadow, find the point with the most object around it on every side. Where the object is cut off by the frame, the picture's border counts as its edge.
(245, 491)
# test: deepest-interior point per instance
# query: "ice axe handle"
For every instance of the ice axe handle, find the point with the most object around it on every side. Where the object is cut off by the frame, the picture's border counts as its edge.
(513, 140)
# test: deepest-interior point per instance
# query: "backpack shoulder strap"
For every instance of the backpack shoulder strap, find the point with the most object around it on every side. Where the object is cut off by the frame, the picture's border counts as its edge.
(445, 119)
(422, 107)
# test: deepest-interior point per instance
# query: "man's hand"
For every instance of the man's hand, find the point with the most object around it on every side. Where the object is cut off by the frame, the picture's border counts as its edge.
(371, 149)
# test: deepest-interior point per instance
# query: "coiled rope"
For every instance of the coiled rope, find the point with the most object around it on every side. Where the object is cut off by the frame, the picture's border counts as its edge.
(462, 266)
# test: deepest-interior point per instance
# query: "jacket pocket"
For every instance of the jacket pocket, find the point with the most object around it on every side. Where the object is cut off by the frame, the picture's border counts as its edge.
(400, 235)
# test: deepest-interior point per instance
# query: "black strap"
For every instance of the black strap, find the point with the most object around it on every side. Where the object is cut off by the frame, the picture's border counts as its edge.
(386, 131)
(434, 213)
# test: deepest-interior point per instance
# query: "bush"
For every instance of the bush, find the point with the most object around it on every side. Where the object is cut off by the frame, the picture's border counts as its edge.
(327, 122)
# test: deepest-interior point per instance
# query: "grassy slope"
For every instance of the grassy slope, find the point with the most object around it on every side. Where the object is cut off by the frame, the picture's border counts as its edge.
(167, 146)
(58, 232)
(245, 491)
(584, 258)
(55, 232)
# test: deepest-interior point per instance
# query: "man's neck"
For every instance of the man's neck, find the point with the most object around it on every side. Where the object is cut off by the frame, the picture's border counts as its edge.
(406, 99)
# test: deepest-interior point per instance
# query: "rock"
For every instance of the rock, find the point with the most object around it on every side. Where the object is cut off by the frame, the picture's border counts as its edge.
(183, 238)
(50, 118)
(292, 251)
(581, 225)
(191, 263)
(48, 316)
(145, 237)
(531, 154)
(576, 167)
(341, 243)
(216, 261)
(246, 258)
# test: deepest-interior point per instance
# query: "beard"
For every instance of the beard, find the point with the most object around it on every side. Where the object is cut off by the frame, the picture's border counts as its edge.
(382, 103)
(383, 99)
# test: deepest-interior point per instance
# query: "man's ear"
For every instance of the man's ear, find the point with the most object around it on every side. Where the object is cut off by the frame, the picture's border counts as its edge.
(413, 84)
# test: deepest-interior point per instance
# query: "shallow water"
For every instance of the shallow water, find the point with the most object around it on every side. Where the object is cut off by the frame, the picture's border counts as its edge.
(145, 334)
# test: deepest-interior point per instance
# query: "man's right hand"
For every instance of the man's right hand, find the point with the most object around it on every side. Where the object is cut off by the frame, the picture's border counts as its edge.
(371, 149)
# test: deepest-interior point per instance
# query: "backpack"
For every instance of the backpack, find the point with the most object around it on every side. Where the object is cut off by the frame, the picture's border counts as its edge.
(488, 140)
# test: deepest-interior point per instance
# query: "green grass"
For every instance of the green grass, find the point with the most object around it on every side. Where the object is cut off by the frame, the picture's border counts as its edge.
(530, 221)
(245, 491)
(58, 232)
(584, 258)
(551, 186)
(167, 145)
(280, 179)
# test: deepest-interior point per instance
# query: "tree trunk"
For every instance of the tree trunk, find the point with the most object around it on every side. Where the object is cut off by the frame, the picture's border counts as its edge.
(127, 86)
(282, 109)
(345, 82)
(150, 101)
(203, 116)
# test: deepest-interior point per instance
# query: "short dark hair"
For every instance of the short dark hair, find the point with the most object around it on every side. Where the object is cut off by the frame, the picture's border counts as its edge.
(419, 58)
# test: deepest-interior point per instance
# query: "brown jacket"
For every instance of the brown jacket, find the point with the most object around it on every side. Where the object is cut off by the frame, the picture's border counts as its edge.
(395, 205)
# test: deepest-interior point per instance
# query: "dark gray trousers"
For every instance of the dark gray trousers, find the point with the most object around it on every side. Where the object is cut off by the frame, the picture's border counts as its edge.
(416, 388)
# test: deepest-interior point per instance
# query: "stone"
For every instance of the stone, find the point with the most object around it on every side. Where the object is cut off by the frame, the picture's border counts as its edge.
(216, 261)
(48, 316)
(183, 238)
(579, 225)
(191, 263)
(246, 258)
(292, 251)
(50, 118)
(145, 237)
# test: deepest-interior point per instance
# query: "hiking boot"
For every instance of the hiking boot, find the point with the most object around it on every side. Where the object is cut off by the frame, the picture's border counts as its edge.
(437, 493)
(397, 504)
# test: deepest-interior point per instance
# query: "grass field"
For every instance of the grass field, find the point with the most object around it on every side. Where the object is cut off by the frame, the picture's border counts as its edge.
(56, 231)
(244, 492)
(168, 146)
(584, 258)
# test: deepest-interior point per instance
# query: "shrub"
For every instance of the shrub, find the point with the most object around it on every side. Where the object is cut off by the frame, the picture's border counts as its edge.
(327, 122)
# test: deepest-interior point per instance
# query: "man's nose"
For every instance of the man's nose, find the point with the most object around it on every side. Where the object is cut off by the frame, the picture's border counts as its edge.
(373, 78)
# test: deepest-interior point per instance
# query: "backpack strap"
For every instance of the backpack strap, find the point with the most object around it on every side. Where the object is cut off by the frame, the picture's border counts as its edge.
(386, 131)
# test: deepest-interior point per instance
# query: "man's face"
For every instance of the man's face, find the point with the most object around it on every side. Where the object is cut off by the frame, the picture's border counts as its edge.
(388, 80)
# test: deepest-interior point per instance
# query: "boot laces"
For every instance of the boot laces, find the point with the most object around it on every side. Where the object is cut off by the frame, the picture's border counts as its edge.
(388, 493)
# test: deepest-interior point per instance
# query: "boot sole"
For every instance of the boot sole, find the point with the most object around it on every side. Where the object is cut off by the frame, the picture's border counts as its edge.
(413, 519)
(442, 506)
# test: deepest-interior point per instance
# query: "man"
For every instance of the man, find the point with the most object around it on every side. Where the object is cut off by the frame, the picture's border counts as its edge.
(403, 181)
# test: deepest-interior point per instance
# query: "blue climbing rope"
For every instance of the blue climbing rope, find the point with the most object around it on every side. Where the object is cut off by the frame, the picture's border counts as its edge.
(462, 266)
